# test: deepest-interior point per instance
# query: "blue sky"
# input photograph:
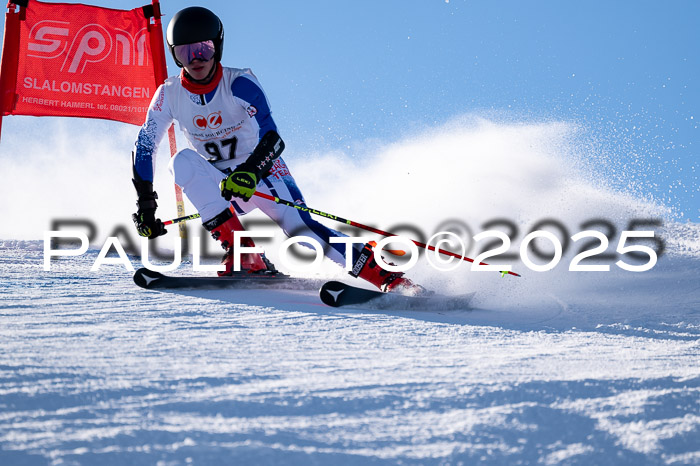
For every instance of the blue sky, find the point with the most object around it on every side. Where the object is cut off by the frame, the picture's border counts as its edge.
(342, 72)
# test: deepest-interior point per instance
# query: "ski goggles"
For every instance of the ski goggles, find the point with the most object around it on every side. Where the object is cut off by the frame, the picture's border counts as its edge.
(187, 53)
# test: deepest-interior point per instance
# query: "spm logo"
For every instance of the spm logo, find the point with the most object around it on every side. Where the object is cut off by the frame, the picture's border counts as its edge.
(92, 43)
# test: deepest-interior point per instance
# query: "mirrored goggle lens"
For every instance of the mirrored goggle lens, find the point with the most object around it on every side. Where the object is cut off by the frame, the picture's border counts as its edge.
(198, 51)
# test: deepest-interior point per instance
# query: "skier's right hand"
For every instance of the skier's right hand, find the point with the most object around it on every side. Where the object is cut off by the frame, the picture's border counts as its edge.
(147, 224)
(145, 218)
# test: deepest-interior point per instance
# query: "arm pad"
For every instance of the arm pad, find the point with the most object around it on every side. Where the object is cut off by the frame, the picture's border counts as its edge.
(263, 157)
(146, 196)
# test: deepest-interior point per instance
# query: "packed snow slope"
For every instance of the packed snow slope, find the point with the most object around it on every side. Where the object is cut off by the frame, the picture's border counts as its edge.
(554, 367)
(95, 370)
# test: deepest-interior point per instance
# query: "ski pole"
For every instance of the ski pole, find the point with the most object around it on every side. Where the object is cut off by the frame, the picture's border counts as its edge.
(368, 228)
(347, 222)
(181, 219)
(396, 252)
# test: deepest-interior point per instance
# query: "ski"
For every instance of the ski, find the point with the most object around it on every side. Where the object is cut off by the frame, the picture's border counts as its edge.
(332, 293)
(151, 279)
(338, 294)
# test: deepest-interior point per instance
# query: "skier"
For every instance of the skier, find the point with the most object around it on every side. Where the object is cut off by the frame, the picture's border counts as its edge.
(235, 150)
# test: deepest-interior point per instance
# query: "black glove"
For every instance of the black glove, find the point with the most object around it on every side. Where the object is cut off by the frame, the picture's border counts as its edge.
(145, 218)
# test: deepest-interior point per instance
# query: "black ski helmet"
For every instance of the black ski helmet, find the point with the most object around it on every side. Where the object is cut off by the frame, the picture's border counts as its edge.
(195, 24)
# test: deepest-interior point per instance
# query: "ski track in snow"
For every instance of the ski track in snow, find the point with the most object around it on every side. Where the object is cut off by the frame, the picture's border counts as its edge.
(94, 370)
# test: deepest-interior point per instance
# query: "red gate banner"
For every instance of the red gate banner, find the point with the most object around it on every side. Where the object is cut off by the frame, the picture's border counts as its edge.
(78, 60)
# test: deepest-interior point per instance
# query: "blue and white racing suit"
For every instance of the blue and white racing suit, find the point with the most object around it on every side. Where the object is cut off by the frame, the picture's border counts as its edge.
(223, 128)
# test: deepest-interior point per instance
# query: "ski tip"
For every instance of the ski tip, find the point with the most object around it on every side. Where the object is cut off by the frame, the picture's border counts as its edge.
(146, 278)
(330, 291)
(507, 272)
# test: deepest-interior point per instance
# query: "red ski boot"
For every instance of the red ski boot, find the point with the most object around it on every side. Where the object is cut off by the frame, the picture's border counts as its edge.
(366, 267)
(222, 227)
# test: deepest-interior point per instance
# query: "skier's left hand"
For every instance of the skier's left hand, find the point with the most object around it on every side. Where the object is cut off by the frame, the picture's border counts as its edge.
(240, 183)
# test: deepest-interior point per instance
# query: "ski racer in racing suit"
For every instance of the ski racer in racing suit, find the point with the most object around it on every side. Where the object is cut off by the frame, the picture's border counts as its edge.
(235, 150)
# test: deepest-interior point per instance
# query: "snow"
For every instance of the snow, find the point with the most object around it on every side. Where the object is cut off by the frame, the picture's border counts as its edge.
(94, 369)
(551, 368)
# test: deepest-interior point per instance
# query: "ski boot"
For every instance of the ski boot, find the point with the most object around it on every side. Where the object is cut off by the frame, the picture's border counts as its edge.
(366, 267)
(222, 227)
